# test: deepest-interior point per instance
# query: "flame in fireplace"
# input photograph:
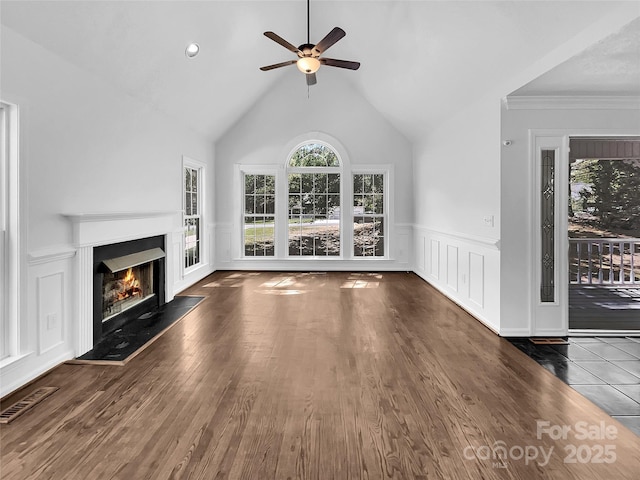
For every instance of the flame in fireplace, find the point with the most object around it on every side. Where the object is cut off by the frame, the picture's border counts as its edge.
(131, 286)
(122, 288)
(129, 277)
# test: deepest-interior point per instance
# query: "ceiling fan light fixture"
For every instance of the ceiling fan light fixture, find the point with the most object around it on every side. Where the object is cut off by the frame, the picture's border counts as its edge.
(192, 50)
(308, 65)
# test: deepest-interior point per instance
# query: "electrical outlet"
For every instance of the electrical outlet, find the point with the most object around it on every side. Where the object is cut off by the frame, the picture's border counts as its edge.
(488, 220)
(52, 321)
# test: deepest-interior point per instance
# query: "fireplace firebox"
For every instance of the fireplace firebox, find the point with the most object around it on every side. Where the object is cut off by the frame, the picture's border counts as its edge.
(128, 283)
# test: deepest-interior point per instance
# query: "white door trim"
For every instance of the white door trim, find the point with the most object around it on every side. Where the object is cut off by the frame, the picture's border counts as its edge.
(552, 319)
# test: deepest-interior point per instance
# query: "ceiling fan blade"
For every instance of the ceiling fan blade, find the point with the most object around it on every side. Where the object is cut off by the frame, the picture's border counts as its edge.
(278, 65)
(332, 62)
(278, 39)
(332, 37)
(311, 78)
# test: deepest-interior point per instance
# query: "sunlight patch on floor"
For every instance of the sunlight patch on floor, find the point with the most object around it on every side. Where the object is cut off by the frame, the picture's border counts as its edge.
(279, 282)
(281, 292)
(225, 282)
(359, 284)
(357, 276)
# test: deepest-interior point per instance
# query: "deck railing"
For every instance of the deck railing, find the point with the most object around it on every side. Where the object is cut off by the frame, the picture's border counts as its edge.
(604, 261)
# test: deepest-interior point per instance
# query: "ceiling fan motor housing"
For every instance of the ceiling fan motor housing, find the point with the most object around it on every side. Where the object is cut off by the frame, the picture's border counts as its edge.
(307, 50)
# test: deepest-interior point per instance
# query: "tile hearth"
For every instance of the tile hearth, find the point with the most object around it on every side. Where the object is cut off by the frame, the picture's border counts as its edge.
(123, 344)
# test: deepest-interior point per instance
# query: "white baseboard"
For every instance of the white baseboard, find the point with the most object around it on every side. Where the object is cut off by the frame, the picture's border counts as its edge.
(12, 379)
(471, 311)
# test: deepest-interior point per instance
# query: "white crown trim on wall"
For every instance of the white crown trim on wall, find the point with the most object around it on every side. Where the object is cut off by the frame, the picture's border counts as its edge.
(577, 102)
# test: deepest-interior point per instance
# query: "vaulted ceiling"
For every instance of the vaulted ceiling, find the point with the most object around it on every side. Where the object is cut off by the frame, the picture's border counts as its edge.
(421, 60)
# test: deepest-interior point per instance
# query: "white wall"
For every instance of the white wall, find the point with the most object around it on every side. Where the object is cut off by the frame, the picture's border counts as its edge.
(264, 134)
(85, 148)
(516, 186)
(457, 186)
(468, 193)
(463, 174)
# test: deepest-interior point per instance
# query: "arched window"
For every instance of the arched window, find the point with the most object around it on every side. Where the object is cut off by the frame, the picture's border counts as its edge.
(314, 155)
(314, 184)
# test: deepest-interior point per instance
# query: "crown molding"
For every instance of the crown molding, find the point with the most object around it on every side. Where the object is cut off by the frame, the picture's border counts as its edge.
(577, 102)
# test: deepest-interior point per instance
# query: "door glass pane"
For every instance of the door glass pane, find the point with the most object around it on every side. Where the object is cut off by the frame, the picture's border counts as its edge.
(547, 224)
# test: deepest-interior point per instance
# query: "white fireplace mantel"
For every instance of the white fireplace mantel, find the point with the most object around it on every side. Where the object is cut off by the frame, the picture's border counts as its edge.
(95, 229)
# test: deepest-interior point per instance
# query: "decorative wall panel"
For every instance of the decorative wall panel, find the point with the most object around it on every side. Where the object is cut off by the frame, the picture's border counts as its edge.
(476, 278)
(452, 267)
(435, 259)
(50, 311)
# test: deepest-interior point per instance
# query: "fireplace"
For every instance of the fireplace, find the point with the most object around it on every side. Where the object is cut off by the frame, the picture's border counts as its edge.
(128, 283)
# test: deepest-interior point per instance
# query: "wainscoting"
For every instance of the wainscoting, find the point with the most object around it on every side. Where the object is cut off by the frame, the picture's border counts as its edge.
(56, 314)
(464, 268)
(45, 326)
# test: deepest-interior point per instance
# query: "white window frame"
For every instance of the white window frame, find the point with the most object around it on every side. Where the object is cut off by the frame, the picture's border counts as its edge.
(10, 238)
(261, 170)
(340, 170)
(4, 200)
(201, 239)
(386, 172)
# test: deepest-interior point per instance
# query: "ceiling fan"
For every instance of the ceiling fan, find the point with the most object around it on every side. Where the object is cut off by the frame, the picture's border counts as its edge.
(309, 59)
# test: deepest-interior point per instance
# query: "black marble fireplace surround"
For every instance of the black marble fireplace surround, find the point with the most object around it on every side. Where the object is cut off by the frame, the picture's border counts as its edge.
(150, 304)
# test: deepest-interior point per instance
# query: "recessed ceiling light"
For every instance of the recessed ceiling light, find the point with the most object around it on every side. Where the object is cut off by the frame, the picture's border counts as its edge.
(192, 50)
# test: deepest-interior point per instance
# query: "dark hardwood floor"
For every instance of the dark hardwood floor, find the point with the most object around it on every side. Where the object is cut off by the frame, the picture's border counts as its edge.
(316, 376)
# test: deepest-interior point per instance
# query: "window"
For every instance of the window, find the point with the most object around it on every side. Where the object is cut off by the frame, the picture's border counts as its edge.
(193, 207)
(259, 215)
(303, 211)
(4, 150)
(314, 201)
(9, 229)
(368, 215)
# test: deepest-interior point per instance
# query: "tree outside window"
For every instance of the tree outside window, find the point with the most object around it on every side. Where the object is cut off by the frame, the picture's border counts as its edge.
(368, 215)
(192, 216)
(259, 215)
(314, 201)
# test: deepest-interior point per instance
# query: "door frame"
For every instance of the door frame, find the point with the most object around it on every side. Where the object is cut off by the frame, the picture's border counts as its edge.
(552, 318)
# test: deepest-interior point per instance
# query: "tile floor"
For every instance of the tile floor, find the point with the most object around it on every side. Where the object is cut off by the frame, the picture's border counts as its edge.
(606, 370)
